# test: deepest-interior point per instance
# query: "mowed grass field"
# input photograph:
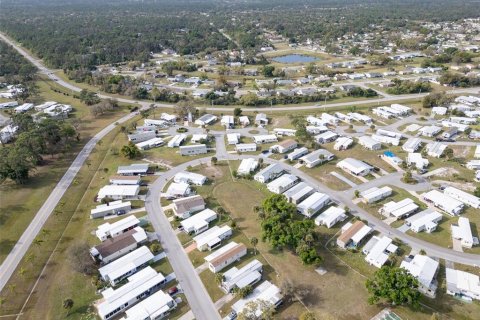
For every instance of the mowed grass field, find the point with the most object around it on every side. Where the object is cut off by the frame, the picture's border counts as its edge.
(19, 203)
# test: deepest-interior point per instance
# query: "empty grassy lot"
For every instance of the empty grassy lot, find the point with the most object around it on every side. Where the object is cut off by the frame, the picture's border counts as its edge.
(323, 174)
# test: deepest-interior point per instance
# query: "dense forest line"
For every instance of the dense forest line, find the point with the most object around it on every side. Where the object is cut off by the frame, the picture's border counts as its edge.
(83, 34)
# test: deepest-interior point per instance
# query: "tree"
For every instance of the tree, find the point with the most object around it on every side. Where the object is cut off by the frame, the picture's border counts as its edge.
(449, 154)
(88, 97)
(68, 305)
(130, 151)
(254, 242)
(243, 292)
(237, 112)
(477, 192)
(214, 160)
(395, 286)
(219, 278)
(155, 247)
(80, 260)
(267, 71)
(356, 193)
(257, 310)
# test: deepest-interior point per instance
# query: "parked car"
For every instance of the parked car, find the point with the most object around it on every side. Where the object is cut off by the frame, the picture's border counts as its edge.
(121, 212)
(172, 291)
(231, 316)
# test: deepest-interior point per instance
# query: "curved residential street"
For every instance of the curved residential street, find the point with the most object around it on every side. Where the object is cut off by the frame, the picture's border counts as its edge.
(196, 294)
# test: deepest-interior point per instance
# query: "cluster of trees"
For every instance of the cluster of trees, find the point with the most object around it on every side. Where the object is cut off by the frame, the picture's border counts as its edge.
(407, 86)
(449, 55)
(395, 286)
(15, 69)
(251, 99)
(282, 229)
(436, 99)
(103, 107)
(88, 97)
(361, 92)
(459, 80)
(181, 65)
(34, 140)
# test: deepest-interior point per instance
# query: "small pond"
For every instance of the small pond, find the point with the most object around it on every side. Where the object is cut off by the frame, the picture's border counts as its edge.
(294, 58)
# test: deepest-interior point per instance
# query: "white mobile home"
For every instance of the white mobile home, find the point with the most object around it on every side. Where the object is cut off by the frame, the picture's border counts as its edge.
(378, 250)
(110, 208)
(355, 167)
(225, 256)
(283, 183)
(139, 286)
(269, 173)
(206, 119)
(284, 132)
(399, 209)
(326, 137)
(330, 217)
(297, 153)
(233, 138)
(298, 193)
(199, 222)
(199, 138)
(328, 118)
(368, 143)
(394, 141)
(265, 138)
(353, 234)
(429, 131)
(316, 157)
(212, 238)
(284, 146)
(178, 190)
(343, 143)
(314, 203)
(112, 230)
(149, 144)
(190, 177)
(463, 232)
(135, 169)
(424, 269)
(246, 147)
(375, 194)
(316, 121)
(412, 145)
(360, 117)
(463, 284)
(436, 149)
(193, 150)
(465, 197)
(266, 291)
(248, 275)
(444, 202)
(227, 121)
(124, 267)
(176, 141)
(119, 192)
(157, 306)
(247, 166)
(261, 119)
(417, 160)
(426, 220)
(141, 136)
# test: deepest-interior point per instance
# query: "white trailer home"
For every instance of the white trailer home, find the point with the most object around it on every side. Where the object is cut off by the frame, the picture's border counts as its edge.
(375, 194)
(199, 222)
(141, 136)
(265, 138)
(297, 153)
(463, 284)
(394, 141)
(248, 275)
(192, 150)
(444, 202)
(247, 166)
(330, 217)
(298, 193)
(283, 183)
(377, 250)
(412, 145)
(462, 196)
(177, 140)
(190, 178)
(317, 157)
(110, 208)
(399, 209)
(355, 167)
(424, 269)
(246, 147)
(212, 238)
(426, 220)
(312, 204)
(368, 143)
(271, 172)
(225, 256)
(343, 143)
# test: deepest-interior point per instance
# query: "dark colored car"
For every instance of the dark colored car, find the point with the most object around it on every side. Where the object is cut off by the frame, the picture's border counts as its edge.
(121, 212)
(172, 290)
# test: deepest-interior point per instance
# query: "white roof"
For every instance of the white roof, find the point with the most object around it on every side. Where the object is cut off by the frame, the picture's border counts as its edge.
(190, 177)
(443, 201)
(150, 308)
(376, 192)
(423, 218)
(233, 137)
(354, 165)
(314, 202)
(264, 137)
(272, 168)
(298, 191)
(315, 155)
(236, 277)
(107, 229)
(118, 190)
(436, 149)
(400, 208)
(377, 255)
(137, 284)
(330, 215)
(421, 267)
(247, 166)
(298, 152)
(198, 220)
(463, 230)
(266, 291)
(367, 141)
(462, 196)
(128, 262)
(176, 140)
(114, 205)
(362, 233)
(198, 137)
(176, 188)
(464, 282)
(282, 182)
(133, 168)
(412, 144)
(211, 235)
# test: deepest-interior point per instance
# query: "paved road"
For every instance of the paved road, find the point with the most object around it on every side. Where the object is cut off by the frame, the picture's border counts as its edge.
(200, 302)
(13, 259)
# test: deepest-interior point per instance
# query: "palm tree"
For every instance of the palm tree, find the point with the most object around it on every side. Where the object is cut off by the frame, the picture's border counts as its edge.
(220, 212)
(68, 305)
(21, 272)
(45, 232)
(12, 288)
(218, 278)
(254, 242)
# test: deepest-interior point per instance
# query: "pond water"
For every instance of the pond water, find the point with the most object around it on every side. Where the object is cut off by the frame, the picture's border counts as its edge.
(294, 58)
